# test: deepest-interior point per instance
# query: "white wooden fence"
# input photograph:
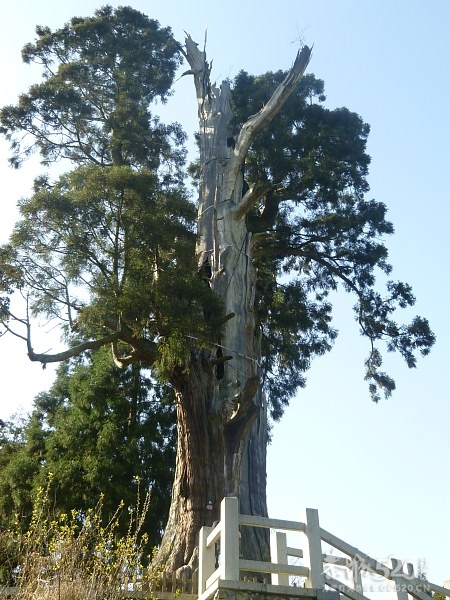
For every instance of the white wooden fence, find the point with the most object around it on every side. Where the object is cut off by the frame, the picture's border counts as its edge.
(220, 563)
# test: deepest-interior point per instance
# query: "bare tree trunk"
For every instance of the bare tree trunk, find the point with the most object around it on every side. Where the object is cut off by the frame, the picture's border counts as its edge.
(222, 416)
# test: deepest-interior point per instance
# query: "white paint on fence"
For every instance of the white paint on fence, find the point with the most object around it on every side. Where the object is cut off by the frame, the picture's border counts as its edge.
(220, 560)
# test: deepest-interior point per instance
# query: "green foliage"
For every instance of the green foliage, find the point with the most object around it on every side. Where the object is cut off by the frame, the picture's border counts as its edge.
(9, 280)
(295, 328)
(314, 230)
(100, 76)
(107, 248)
(96, 430)
(20, 458)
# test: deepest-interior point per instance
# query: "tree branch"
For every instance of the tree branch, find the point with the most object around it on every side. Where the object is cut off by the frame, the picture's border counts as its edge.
(142, 349)
(71, 352)
(285, 251)
(257, 122)
(282, 252)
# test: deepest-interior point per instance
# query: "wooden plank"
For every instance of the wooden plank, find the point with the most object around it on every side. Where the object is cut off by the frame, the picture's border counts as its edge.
(214, 577)
(229, 539)
(411, 585)
(437, 588)
(343, 561)
(313, 550)
(278, 591)
(297, 552)
(258, 566)
(357, 578)
(344, 589)
(365, 560)
(214, 535)
(415, 586)
(254, 521)
(340, 561)
(206, 558)
(279, 555)
(401, 590)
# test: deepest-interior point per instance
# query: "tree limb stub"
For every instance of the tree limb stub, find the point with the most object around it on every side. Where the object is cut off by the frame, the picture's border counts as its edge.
(200, 68)
(122, 361)
(220, 360)
(250, 198)
(244, 399)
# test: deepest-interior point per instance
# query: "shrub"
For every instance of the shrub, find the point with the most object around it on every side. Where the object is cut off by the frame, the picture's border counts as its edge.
(73, 556)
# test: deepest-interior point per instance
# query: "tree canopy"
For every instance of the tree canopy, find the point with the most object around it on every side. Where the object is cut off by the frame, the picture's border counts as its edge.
(314, 229)
(101, 74)
(117, 232)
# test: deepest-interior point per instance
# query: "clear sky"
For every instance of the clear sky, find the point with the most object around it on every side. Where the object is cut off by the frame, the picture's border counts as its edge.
(378, 474)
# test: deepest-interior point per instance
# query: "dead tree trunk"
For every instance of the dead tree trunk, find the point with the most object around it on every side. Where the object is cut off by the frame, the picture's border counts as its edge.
(222, 420)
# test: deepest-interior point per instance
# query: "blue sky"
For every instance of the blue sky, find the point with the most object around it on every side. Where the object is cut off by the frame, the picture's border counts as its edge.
(377, 473)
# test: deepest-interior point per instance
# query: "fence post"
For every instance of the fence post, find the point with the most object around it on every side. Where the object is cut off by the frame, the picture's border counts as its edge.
(278, 555)
(357, 579)
(399, 579)
(313, 552)
(206, 559)
(408, 568)
(229, 539)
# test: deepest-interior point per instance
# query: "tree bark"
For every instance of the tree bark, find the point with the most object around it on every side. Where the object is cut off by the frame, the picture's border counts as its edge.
(222, 415)
(198, 485)
(253, 488)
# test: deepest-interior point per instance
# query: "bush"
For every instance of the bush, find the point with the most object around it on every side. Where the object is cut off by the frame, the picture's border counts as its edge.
(73, 556)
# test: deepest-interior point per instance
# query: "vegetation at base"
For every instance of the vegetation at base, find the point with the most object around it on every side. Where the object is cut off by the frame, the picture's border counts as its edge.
(74, 555)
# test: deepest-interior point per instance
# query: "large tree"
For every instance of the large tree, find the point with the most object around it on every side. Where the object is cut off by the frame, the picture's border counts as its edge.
(229, 306)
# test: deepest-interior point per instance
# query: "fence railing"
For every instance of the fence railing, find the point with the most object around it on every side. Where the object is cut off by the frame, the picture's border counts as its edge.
(220, 561)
